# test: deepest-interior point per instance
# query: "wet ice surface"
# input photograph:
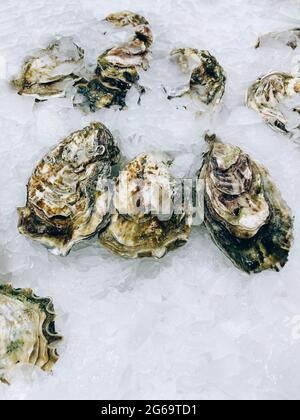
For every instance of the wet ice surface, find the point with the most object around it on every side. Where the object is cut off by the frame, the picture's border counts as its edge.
(191, 325)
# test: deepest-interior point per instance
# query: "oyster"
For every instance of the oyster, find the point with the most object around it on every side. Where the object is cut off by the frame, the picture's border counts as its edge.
(117, 68)
(269, 96)
(144, 223)
(208, 79)
(244, 211)
(67, 192)
(51, 71)
(27, 330)
(290, 38)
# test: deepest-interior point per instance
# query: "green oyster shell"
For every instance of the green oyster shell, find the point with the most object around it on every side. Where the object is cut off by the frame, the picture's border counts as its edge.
(117, 68)
(27, 330)
(267, 244)
(266, 96)
(289, 38)
(138, 231)
(208, 78)
(67, 198)
(51, 71)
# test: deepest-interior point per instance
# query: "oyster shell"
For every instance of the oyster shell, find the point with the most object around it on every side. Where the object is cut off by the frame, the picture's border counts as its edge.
(67, 195)
(27, 330)
(144, 223)
(290, 38)
(244, 211)
(117, 69)
(208, 79)
(269, 96)
(51, 71)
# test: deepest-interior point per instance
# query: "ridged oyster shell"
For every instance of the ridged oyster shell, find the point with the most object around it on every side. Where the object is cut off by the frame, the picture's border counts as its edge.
(244, 211)
(51, 71)
(269, 97)
(117, 69)
(290, 38)
(67, 196)
(144, 223)
(27, 330)
(208, 79)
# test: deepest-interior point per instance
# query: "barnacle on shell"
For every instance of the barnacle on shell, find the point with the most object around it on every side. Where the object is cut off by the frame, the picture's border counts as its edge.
(290, 38)
(27, 331)
(244, 211)
(269, 95)
(51, 71)
(117, 68)
(208, 79)
(67, 195)
(145, 223)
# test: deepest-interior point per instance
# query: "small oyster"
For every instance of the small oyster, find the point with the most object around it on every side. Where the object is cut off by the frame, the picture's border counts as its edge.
(244, 211)
(67, 196)
(144, 223)
(208, 79)
(50, 72)
(268, 96)
(27, 330)
(290, 38)
(117, 69)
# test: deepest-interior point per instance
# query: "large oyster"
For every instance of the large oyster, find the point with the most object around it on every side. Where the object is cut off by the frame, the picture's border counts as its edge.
(50, 71)
(145, 223)
(244, 211)
(290, 38)
(208, 79)
(269, 96)
(117, 69)
(67, 192)
(27, 330)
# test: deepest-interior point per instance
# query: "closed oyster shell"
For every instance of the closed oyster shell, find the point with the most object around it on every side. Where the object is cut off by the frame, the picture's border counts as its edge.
(68, 199)
(51, 71)
(27, 330)
(208, 78)
(290, 38)
(244, 211)
(268, 96)
(144, 223)
(117, 69)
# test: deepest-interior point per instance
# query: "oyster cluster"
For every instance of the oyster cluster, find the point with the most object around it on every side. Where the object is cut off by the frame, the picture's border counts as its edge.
(144, 223)
(269, 97)
(244, 211)
(117, 69)
(67, 197)
(69, 201)
(137, 214)
(51, 71)
(27, 331)
(289, 38)
(208, 79)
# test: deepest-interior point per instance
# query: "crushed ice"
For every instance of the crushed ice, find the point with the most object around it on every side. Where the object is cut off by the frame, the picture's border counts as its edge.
(190, 326)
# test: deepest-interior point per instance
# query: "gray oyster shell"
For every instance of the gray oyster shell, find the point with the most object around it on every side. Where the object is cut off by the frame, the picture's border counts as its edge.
(51, 71)
(139, 227)
(67, 198)
(208, 79)
(289, 38)
(117, 68)
(269, 97)
(244, 211)
(27, 331)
